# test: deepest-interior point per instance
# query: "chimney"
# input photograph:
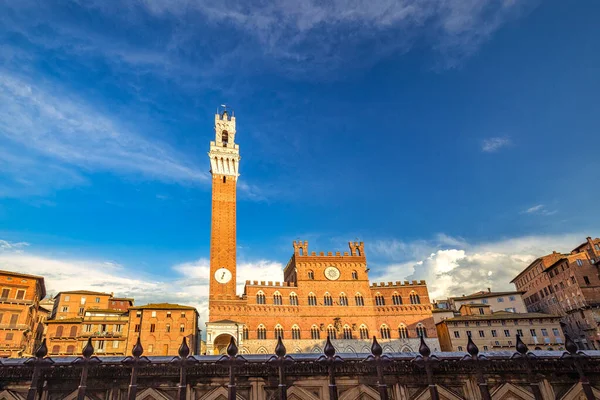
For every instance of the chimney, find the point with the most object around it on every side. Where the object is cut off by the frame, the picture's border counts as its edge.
(489, 290)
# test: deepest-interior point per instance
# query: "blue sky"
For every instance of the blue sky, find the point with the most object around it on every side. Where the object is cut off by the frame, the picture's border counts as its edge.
(455, 138)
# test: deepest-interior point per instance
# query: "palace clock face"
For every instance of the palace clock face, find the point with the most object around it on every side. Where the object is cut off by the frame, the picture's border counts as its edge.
(332, 273)
(223, 275)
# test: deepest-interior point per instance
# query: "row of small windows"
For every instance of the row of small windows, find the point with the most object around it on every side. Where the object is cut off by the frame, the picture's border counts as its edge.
(342, 301)
(346, 333)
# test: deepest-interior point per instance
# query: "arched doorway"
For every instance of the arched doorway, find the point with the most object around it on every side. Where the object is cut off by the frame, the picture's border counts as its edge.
(220, 343)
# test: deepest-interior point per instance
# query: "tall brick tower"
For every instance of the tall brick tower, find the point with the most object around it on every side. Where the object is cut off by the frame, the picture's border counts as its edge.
(224, 157)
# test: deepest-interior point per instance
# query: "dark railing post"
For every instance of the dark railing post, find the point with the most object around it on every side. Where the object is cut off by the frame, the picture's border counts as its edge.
(426, 360)
(40, 361)
(578, 358)
(330, 359)
(184, 360)
(379, 360)
(473, 351)
(232, 360)
(281, 360)
(527, 357)
(85, 361)
(135, 361)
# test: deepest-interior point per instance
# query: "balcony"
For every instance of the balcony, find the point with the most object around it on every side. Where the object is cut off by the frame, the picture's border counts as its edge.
(15, 301)
(101, 334)
(19, 327)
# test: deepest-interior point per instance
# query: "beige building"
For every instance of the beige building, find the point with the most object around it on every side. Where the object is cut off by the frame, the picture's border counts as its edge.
(498, 301)
(497, 330)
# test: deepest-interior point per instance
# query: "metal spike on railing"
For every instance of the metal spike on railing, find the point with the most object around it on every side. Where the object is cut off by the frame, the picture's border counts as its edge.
(183, 361)
(474, 356)
(86, 360)
(330, 359)
(232, 359)
(40, 361)
(136, 361)
(281, 360)
(379, 360)
(528, 357)
(427, 361)
(578, 358)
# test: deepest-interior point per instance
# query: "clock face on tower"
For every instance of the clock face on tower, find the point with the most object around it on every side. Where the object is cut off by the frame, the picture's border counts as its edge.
(223, 275)
(332, 273)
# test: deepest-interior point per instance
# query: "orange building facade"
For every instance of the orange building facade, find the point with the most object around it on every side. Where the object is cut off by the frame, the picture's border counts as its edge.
(321, 295)
(20, 316)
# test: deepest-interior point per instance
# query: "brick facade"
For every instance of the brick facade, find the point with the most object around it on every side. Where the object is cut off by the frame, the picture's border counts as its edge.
(322, 294)
(20, 328)
(567, 285)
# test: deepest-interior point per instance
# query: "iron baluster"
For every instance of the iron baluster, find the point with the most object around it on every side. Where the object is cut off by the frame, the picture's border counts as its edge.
(136, 360)
(478, 360)
(85, 361)
(578, 358)
(40, 361)
(527, 357)
(232, 360)
(183, 361)
(426, 360)
(331, 360)
(379, 360)
(281, 360)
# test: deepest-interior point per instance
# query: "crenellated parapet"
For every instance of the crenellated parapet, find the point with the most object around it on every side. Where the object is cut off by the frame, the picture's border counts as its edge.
(398, 283)
(271, 284)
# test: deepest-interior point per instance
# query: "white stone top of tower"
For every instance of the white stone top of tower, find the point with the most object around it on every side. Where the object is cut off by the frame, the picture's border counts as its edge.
(224, 153)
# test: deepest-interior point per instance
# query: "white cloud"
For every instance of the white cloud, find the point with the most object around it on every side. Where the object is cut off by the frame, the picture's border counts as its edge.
(453, 269)
(187, 285)
(539, 209)
(494, 144)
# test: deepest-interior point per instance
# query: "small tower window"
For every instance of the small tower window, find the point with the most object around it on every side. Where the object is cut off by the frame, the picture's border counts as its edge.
(225, 138)
(311, 275)
(355, 275)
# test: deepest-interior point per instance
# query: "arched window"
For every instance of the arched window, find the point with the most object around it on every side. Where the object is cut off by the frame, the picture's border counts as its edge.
(59, 330)
(70, 349)
(225, 138)
(355, 275)
(245, 333)
(421, 331)
(385, 331)
(311, 275)
(260, 298)
(261, 332)
(312, 299)
(73, 331)
(414, 298)
(343, 299)
(56, 349)
(359, 299)
(379, 300)
(396, 299)
(277, 300)
(364, 332)
(314, 332)
(293, 299)
(403, 331)
(327, 300)
(358, 251)
(331, 332)
(278, 332)
(168, 327)
(295, 332)
(347, 332)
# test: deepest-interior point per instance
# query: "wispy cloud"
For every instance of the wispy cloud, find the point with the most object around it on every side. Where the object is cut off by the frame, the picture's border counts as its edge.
(202, 39)
(539, 209)
(494, 144)
(187, 282)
